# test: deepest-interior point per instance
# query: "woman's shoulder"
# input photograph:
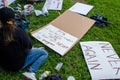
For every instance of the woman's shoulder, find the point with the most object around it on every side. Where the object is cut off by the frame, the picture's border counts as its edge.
(18, 30)
(20, 33)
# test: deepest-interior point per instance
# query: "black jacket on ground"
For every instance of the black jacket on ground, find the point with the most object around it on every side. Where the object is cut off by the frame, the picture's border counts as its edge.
(12, 56)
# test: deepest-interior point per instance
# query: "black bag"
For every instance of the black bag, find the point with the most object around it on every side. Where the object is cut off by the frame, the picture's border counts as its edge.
(35, 0)
(54, 76)
(21, 21)
(100, 20)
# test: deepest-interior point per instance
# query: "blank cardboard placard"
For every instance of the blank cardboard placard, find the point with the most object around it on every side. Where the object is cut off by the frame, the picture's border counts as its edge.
(71, 24)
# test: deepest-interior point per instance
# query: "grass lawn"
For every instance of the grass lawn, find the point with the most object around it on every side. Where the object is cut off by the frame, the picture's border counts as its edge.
(73, 62)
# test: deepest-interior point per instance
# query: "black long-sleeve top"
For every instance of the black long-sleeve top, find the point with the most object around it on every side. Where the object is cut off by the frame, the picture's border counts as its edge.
(12, 56)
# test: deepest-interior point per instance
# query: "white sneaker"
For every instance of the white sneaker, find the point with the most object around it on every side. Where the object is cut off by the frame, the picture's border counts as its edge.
(29, 76)
(41, 48)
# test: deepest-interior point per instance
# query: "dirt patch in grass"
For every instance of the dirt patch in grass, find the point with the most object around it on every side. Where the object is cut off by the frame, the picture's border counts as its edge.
(82, 1)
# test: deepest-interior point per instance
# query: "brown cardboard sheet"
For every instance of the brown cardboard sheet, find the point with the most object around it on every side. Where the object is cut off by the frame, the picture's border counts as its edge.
(71, 23)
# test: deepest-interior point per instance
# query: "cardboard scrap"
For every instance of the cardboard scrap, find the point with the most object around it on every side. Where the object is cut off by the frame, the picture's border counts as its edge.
(102, 60)
(63, 32)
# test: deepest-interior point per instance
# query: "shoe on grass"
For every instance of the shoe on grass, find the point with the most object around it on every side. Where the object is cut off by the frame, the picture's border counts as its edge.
(29, 76)
(41, 48)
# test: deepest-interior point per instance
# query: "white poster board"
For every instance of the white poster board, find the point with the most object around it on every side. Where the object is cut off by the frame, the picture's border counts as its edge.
(101, 59)
(81, 8)
(53, 4)
(55, 38)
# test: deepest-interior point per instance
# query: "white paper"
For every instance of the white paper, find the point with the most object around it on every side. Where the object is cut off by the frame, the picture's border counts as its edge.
(101, 59)
(56, 39)
(38, 12)
(81, 8)
(54, 4)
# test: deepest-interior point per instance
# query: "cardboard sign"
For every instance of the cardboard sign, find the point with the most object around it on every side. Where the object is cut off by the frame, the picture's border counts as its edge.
(71, 27)
(53, 4)
(102, 60)
(81, 8)
(55, 38)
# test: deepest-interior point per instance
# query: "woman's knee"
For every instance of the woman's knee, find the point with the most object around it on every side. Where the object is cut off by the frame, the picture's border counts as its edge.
(44, 52)
(41, 51)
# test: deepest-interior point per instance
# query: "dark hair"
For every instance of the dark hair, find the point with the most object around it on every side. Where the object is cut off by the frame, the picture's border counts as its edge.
(7, 17)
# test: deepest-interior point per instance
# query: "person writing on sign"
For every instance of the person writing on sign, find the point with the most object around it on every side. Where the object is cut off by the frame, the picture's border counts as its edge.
(16, 50)
(3, 3)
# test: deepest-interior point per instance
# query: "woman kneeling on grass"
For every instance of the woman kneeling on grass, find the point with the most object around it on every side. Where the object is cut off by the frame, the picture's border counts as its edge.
(16, 50)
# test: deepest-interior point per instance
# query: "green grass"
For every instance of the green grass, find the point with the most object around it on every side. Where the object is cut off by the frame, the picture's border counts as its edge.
(74, 62)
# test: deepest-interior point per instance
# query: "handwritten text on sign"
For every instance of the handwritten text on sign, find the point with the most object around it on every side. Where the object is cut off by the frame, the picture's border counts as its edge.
(55, 38)
(102, 60)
